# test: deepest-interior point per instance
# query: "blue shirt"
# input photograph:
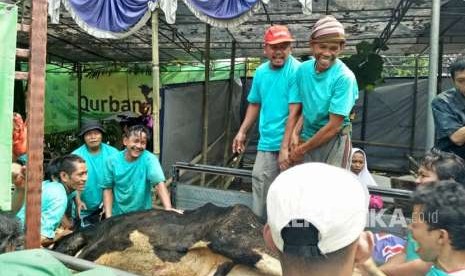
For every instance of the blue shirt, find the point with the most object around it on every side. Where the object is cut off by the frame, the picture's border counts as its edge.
(274, 90)
(54, 203)
(92, 195)
(332, 91)
(132, 181)
(449, 115)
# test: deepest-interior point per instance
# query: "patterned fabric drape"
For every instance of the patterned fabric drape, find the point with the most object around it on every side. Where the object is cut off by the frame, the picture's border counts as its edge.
(224, 13)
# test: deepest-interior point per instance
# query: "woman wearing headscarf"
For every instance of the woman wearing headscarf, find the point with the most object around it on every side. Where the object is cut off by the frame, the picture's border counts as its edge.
(358, 165)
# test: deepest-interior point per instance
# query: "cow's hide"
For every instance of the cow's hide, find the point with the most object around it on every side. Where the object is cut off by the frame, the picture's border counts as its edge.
(209, 240)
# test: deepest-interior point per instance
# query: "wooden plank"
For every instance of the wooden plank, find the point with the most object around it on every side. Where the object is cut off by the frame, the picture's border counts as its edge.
(21, 75)
(35, 121)
(23, 28)
(23, 53)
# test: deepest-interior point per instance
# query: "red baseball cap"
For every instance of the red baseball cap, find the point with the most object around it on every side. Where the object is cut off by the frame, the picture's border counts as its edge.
(277, 34)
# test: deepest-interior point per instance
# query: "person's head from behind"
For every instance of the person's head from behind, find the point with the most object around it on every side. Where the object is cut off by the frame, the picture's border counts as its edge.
(277, 40)
(327, 41)
(10, 233)
(357, 162)
(457, 72)
(314, 228)
(92, 134)
(135, 140)
(71, 170)
(440, 165)
(438, 219)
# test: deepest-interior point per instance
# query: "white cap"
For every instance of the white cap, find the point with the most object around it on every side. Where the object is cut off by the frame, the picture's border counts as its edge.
(330, 198)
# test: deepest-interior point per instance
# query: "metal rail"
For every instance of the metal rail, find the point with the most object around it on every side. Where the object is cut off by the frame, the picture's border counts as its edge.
(388, 192)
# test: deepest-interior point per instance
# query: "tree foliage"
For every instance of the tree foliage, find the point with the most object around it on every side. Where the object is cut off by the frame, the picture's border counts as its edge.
(367, 65)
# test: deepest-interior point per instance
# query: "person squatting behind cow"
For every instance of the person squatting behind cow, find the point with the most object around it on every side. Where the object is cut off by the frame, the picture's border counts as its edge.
(274, 96)
(95, 153)
(64, 176)
(448, 113)
(130, 175)
(314, 235)
(36, 262)
(327, 92)
(438, 226)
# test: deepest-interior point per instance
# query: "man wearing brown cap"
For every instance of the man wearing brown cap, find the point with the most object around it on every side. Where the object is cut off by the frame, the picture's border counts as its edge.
(328, 91)
(95, 153)
(274, 96)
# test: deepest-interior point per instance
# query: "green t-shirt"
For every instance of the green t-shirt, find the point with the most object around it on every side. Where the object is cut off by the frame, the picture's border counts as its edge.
(38, 262)
(132, 181)
(333, 91)
(34, 262)
(92, 195)
(274, 90)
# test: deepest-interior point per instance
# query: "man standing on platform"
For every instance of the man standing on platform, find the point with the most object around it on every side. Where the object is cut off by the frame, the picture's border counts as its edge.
(274, 96)
(328, 91)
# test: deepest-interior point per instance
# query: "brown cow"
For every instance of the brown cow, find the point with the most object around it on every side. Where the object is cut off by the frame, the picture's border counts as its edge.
(209, 240)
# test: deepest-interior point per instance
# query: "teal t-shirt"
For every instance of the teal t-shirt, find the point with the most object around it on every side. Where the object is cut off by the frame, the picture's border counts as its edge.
(54, 203)
(411, 248)
(92, 195)
(274, 90)
(332, 91)
(132, 181)
(434, 271)
(38, 262)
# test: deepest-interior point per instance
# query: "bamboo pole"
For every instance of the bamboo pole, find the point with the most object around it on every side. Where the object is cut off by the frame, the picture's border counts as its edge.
(35, 121)
(205, 100)
(155, 85)
(227, 149)
(79, 94)
(414, 108)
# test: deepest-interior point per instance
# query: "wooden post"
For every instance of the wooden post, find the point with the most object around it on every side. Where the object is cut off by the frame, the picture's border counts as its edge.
(156, 84)
(205, 100)
(35, 121)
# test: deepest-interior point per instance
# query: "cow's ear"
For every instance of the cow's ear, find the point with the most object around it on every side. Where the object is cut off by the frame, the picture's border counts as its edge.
(269, 239)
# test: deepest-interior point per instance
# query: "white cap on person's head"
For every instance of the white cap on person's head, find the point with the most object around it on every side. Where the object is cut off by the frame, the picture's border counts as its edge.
(331, 199)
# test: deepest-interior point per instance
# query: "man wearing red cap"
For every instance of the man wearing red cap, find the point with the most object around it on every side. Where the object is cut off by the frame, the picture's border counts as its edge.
(274, 96)
(328, 91)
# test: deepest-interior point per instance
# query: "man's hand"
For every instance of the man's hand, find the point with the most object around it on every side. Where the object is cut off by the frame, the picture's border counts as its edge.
(238, 144)
(297, 155)
(284, 162)
(179, 211)
(295, 140)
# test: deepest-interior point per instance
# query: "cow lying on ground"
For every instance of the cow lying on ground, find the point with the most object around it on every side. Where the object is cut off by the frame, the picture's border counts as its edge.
(209, 240)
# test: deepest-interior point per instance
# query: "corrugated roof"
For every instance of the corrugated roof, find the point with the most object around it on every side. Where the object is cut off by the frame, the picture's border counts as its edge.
(185, 40)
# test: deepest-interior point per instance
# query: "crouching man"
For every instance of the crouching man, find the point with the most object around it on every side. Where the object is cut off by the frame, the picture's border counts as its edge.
(312, 234)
